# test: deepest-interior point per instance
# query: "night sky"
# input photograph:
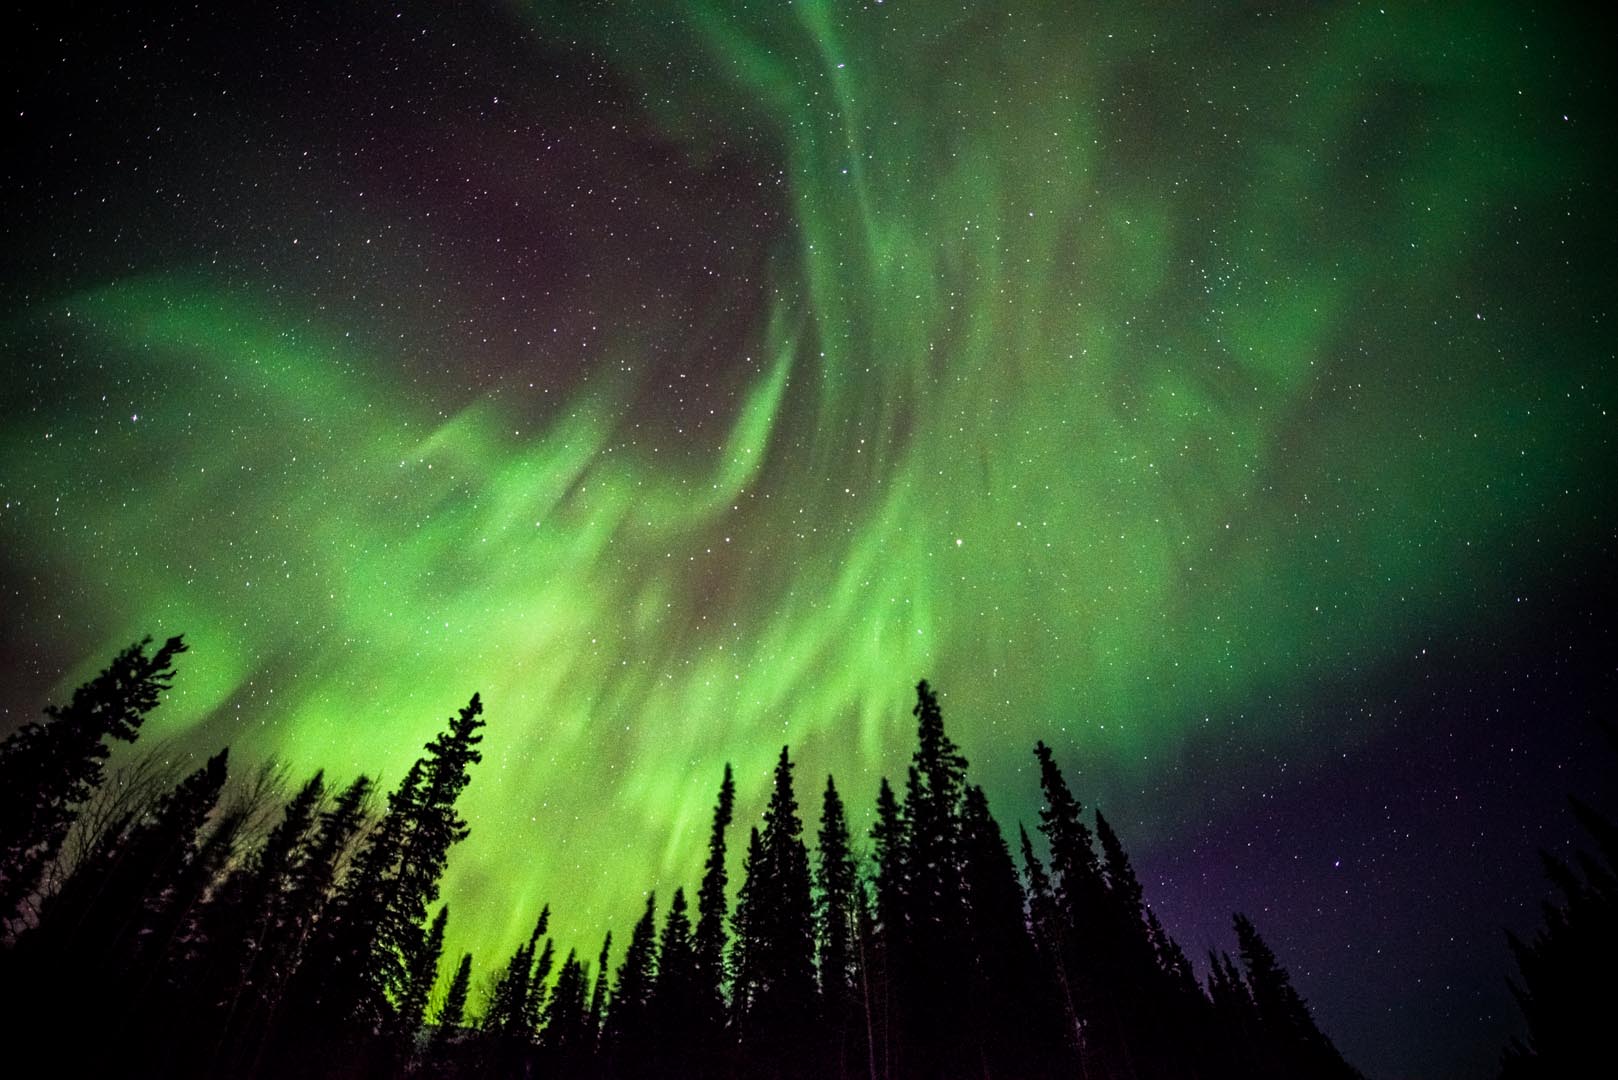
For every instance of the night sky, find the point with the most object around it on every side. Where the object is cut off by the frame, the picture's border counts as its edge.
(1222, 393)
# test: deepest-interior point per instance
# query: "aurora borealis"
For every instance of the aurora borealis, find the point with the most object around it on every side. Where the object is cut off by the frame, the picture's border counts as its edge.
(1220, 393)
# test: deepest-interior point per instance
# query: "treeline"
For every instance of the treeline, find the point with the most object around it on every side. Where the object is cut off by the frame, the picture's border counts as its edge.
(1564, 984)
(180, 938)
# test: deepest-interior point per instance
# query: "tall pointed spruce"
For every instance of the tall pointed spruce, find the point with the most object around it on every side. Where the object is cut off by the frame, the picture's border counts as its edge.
(780, 946)
(709, 942)
(358, 967)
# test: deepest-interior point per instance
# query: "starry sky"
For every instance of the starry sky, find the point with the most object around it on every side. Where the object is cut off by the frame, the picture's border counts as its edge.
(1220, 392)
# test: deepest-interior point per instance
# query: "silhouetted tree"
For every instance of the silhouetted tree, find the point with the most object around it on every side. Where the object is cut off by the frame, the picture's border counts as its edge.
(889, 932)
(359, 962)
(509, 1015)
(423, 975)
(1565, 984)
(48, 770)
(676, 1007)
(447, 1025)
(628, 1020)
(566, 1032)
(745, 977)
(1086, 926)
(929, 963)
(836, 918)
(237, 927)
(1300, 1048)
(889, 853)
(113, 916)
(709, 942)
(1240, 1048)
(779, 943)
(1015, 1027)
(598, 996)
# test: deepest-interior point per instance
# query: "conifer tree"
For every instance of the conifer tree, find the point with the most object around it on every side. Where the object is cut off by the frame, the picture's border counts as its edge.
(929, 963)
(567, 1036)
(315, 877)
(1074, 868)
(598, 996)
(511, 1014)
(48, 770)
(412, 1008)
(107, 916)
(252, 1008)
(1122, 884)
(780, 939)
(1239, 1047)
(888, 936)
(1015, 1028)
(933, 795)
(1300, 1047)
(534, 1008)
(1087, 929)
(1045, 924)
(344, 979)
(244, 915)
(1564, 984)
(888, 838)
(745, 961)
(452, 1013)
(709, 941)
(837, 920)
(628, 1018)
(358, 966)
(675, 1006)
(835, 879)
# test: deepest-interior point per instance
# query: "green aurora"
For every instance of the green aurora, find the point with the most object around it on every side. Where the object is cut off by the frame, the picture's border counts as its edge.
(1115, 370)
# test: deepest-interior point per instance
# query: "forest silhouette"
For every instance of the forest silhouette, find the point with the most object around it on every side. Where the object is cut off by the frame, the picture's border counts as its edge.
(184, 933)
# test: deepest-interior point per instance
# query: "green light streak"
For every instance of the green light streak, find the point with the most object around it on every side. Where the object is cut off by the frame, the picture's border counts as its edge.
(1103, 405)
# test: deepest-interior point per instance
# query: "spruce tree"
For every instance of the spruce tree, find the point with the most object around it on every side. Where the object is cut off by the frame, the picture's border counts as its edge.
(567, 1037)
(675, 1006)
(1086, 926)
(512, 1013)
(538, 981)
(888, 839)
(1014, 1026)
(412, 1007)
(780, 945)
(709, 941)
(835, 881)
(837, 921)
(933, 795)
(1045, 924)
(357, 968)
(930, 963)
(110, 916)
(48, 770)
(1239, 1046)
(512, 1019)
(745, 972)
(1074, 868)
(1122, 885)
(242, 918)
(598, 996)
(1564, 983)
(1300, 1047)
(628, 1020)
(254, 1008)
(452, 1013)
(889, 936)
